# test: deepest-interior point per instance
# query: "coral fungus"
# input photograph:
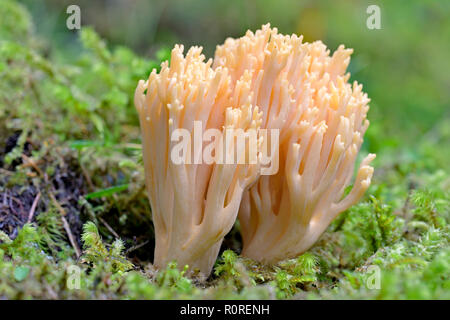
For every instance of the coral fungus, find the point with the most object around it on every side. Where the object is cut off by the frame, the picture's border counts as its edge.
(303, 93)
(194, 204)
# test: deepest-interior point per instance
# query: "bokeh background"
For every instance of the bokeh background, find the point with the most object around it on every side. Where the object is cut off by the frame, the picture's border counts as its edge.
(404, 66)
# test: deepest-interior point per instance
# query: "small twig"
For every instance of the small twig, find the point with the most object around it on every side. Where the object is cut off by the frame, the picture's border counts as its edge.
(6, 172)
(87, 177)
(33, 207)
(109, 227)
(51, 292)
(22, 211)
(133, 248)
(30, 162)
(66, 226)
(71, 238)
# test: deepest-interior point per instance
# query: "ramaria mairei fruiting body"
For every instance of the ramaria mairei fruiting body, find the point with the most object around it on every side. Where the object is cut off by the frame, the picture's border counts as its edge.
(302, 91)
(304, 94)
(194, 204)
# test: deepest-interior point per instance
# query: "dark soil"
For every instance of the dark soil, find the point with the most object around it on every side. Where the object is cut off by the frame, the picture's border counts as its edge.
(66, 183)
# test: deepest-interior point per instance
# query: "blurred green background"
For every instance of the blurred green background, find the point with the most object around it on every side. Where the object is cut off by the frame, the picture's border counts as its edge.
(404, 66)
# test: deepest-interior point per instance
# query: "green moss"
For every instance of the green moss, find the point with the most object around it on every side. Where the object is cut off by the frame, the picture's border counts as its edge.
(96, 253)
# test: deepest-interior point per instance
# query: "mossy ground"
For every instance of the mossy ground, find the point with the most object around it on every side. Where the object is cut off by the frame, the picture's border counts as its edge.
(72, 194)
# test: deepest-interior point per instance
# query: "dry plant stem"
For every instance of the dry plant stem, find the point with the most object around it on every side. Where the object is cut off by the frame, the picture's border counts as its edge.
(66, 225)
(33, 208)
(110, 229)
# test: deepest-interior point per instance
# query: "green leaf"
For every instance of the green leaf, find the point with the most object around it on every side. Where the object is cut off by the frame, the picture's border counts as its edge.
(20, 273)
(107, 192)
(81, 144)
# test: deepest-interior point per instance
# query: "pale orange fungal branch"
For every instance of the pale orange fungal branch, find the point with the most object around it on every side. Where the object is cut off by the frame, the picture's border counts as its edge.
(303, 92)
(194, 204)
